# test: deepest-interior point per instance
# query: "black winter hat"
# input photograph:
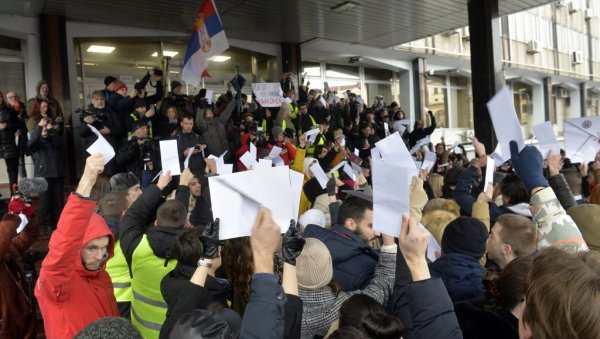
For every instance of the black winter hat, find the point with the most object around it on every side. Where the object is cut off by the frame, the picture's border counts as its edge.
(109, 328)
(108, 80)
(3, 115)
(175, 84)
(123, 181)
(465, 235)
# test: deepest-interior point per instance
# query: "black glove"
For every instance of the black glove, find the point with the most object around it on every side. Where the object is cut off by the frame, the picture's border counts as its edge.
(292, 244)
(210, 240)
(331, 186)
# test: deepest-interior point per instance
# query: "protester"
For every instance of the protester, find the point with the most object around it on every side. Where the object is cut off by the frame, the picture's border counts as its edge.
(73, 289)
(16, 311)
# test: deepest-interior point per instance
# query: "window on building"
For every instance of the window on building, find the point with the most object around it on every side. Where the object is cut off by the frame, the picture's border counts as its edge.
(437, 98)
(341, 78)
(593, 102)
(522, 99)
(380, 82)
(12, 74)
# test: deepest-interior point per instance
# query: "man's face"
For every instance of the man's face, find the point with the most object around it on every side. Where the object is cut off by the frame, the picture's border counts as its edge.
(177, 90)
(133, 193)
(44, 90)
(141, 110)
(365, 227)
(303, 110)
(111, 86)
(11, 98)
(94, 253)
(208, 113)
(141, 132)
(98, 102)
(248, 119)
(122, 91)
(187, 125)
(366, 131)
(495, 246)
(439, 149)
(195, 187)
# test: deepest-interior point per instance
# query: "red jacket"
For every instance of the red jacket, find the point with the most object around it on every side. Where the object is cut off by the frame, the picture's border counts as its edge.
(18, 320)
(71, 297)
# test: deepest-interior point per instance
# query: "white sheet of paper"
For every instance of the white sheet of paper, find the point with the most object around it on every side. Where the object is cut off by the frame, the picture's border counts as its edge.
(582, 138)
(357, 169)
(322, 100)
(253, 151)
(545, 135)
(277, 161)
(337, 167)
(386, 127)
(226, 169)
(326, 86)
(209, 95)
(497, 156)
(245, 192)
(375, 153)
(405, 122)
(443, 132)
(489, 172)
(247, 160)
(296, 183)
(504, 117)
(101, 146)
(275, 151)
(419, 144)
(186, 162)
(399, 127)
(349, 171)
(313, 131)
(429, 160)
(356, 152)
(264, 163)
(360, 100)
(391, 177)
(287, 100)
(169, 156)
(418, 164)
(318, 173)
(432, 246)
(391, 183)
(23, 223)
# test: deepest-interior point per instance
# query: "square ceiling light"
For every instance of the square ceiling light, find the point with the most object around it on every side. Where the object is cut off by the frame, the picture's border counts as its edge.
(219, 58)
(166, 53)
(101, 49)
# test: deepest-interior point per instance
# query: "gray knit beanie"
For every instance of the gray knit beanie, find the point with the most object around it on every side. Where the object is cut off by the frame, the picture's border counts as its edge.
(314, 268)
(109, 328)
(123, 181)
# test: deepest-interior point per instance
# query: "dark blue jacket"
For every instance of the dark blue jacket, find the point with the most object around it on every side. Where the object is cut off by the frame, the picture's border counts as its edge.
(264, 314)
(353, 260)
(462, 275)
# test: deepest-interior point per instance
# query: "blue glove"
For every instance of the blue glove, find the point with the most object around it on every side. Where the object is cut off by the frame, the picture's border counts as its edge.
(528, 165)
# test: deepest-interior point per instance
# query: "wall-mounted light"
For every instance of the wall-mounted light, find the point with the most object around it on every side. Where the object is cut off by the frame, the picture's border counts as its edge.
(166, 53)
(101, 49)
(345, 6)
(219, 58)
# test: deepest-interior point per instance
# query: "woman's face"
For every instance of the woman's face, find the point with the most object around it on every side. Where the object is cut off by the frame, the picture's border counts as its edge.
(44, 107)
(171, 113)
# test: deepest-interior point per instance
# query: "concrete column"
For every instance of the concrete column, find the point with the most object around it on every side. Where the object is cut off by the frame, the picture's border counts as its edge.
(575, 103)
(486, 65)
(583, 98)
(419, 67)
(291, 60)
(549, 113)
(407, 94)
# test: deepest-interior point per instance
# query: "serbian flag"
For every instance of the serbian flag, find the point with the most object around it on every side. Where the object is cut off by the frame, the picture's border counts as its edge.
(207, 40)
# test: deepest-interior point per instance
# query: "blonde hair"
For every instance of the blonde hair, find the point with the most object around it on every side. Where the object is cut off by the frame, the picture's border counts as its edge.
(436, 182)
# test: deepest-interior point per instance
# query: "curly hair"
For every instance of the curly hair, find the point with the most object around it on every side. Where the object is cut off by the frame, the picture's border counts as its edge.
(239, 267)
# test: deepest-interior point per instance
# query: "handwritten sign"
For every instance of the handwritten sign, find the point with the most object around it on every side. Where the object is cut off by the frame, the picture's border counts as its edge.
(268, 94)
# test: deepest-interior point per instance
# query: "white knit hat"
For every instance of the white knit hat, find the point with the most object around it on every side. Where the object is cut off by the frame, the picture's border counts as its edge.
(314, 268)
(312, 217)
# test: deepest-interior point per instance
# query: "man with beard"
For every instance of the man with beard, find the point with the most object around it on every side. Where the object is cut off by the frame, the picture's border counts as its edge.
(349, 242)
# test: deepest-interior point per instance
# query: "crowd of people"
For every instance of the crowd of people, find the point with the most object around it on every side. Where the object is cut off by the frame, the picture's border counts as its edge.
(135, 252)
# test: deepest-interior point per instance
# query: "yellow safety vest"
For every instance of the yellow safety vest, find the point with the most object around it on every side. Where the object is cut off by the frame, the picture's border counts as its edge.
(320, 141)
(118, 270)
(294, 111)
(148, 307)
(314, 124)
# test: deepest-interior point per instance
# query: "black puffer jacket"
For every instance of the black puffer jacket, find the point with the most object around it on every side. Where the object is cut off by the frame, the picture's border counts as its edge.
(8, 146)
(45, 153)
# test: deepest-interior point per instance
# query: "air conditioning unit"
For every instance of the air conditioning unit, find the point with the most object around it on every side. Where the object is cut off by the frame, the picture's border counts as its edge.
(466, 34)
(562, 92)
(560, 4)
(576, 58)
(571, 7)
(533, 46)
(589, 14)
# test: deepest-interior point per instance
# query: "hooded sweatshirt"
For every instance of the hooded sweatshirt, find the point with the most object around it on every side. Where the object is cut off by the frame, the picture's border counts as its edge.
(71, 297)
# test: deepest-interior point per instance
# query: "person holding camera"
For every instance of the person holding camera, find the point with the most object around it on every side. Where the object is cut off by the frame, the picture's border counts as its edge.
(106, 121)
(45, 145)
(140, 155)
(186, 140)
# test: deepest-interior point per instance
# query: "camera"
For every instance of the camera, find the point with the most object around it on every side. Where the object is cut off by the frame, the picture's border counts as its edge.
(85, 113)
(251, 127)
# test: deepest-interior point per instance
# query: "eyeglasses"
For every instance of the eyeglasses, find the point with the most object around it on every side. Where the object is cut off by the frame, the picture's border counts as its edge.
(11, 97)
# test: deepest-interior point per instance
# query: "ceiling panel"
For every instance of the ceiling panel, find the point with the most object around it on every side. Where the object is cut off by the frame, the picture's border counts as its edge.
(372, 22)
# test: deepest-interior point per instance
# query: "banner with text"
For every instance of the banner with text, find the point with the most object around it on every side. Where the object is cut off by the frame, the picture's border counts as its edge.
(268, 94)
